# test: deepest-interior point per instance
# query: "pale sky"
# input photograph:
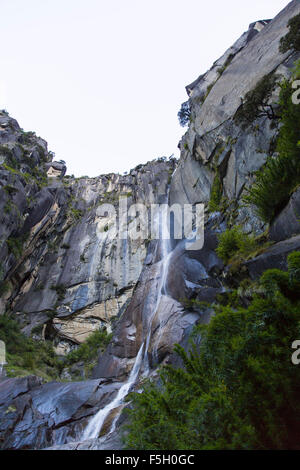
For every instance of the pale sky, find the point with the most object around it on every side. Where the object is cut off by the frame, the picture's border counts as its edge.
(102, 80)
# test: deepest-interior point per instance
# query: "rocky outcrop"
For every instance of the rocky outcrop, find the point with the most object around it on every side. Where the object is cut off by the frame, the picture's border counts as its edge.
(68, 267)
(215, 143)
(36, 415)
(287, 223)
(64, 264)
(274, 257)
(56, 169)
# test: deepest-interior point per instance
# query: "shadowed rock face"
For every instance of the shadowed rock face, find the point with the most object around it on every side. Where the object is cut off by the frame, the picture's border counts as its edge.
(67, 269)
(287, 223)
(71, 278)
(34, 415)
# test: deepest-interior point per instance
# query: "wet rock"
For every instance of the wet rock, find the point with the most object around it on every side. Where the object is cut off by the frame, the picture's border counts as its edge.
(35, 415)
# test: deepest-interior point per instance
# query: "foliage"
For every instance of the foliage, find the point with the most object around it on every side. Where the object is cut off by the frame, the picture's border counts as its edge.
(256, 102)
(237, 389)
(89, 350)
(184, 114)
(15, 245)
(4, 288)
(228, 61)
(280, 176)
(234, 242)
(60, 290)
(26, 356)
(292, 39)
(216, 194)
(296, 70)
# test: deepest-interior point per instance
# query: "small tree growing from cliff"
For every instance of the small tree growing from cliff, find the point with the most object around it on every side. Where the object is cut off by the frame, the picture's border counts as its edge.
(256, 102)
(184, 114)
(292, 39)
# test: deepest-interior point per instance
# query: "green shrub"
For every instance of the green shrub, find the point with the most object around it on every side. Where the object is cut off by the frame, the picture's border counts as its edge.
(228, 61)
(10, 190)
(60, 290)
(273, 281)
(292, 39)
(237, 389)
(26, 356)
(294, 268)
(4, 288)
(89, 350)
(184, 114)
(216, 194)
(15, 246)
(235, 242)
(280, 176)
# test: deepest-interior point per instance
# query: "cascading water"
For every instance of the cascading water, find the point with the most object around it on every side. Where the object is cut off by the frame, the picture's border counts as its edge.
(165, 249)
(2, 356)
(94, 427)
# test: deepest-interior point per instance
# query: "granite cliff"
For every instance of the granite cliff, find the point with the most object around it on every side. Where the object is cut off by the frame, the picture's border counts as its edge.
(63, 277)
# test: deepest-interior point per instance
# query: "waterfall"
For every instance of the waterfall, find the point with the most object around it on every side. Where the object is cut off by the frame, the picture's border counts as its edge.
(2, 356)
(95, 425)
(165, 249)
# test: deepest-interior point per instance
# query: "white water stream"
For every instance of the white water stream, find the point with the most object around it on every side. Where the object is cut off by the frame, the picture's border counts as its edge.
(94, 427)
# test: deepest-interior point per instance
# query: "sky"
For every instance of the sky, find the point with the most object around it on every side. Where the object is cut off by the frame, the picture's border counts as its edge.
(102, 80)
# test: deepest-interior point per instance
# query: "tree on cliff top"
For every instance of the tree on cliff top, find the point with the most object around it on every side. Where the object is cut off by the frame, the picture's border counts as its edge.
(184, 114)
(292, 39)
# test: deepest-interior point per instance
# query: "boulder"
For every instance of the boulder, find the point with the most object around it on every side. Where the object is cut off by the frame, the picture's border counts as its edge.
(287, 223)
(273, 257)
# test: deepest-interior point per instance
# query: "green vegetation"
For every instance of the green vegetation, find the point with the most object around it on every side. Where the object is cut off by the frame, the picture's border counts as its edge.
(256, 102)
(228, 61)
(60, 290)
(10, 190)
(4, 288)
(15, 245)
(216, 194)
(184, 114)
(280, 176)
(234, 243)
(238, 388)
(26, 356)
(11, 161)
(208, 90)
(36, 176)
(292, 39)
(75, 214)
(88, 350)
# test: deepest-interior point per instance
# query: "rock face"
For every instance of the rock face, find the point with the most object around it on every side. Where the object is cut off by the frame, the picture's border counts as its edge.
(287, 223)
(34, 415)
(215, 143)
(63, 262)
(68, 267)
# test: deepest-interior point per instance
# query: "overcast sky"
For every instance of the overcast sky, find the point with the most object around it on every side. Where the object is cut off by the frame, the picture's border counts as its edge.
(102, 80)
